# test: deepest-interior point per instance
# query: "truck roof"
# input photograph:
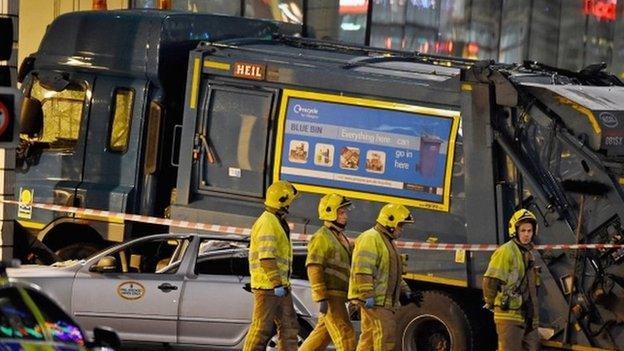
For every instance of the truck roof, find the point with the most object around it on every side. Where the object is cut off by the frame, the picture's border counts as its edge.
(137, 42)
(343, 67)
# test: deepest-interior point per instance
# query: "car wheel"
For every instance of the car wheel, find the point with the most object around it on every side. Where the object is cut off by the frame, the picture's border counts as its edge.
(439, 324)
(77, 251)
(304, 331)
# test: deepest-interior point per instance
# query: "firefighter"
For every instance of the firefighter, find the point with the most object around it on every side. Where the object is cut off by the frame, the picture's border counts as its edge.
(270, 263)
(510, 286)
(328, 264)
(376, 284)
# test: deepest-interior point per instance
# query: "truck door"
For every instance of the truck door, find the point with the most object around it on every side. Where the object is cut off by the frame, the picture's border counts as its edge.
(50, 163)
(113, 145)
(233, 139)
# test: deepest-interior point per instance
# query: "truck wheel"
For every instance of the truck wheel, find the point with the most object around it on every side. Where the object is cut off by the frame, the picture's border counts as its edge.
(78, 251)
(439, 324)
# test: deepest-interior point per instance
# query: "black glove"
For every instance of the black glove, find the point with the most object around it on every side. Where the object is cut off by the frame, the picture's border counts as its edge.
(414, 297)
(323, 307)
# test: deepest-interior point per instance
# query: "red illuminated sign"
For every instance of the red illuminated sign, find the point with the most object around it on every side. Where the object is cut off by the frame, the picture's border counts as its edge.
(352, 7)
(601, 9)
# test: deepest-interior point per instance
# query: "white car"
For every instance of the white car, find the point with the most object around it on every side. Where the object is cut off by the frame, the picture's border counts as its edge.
(184, 290)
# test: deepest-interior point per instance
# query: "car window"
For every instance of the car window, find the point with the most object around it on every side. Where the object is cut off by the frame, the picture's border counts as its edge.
(156, 255)
(27, 314)
(231, 258)
(298, 267)
(222, 257)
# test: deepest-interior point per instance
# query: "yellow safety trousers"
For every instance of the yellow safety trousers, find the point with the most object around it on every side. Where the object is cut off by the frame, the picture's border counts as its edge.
(378, 330)
(333, 326)
(514, 336)
(269, 309)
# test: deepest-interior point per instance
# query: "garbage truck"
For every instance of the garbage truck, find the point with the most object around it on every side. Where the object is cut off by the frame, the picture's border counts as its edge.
(462, 143)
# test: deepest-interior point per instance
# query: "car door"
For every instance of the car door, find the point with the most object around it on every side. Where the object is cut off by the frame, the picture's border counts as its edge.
(215, 309)
(50, 164)
(131, 294)
(113, 145)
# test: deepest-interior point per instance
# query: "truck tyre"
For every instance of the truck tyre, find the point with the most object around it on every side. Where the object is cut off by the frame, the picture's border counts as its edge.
(78, 251)
(439, 324)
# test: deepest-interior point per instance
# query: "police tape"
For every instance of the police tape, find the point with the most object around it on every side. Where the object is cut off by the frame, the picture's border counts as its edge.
(216, 228)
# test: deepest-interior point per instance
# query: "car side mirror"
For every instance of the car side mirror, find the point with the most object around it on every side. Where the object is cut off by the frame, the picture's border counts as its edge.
(31, 118)
(106, 264)
(106, 337)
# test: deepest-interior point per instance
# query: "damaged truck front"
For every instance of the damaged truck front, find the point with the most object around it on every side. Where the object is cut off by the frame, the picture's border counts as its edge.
(556, 140)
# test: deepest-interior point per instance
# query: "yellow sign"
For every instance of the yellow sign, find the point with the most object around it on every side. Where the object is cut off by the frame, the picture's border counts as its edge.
(368, 149)
(24, 209)
(460, 256)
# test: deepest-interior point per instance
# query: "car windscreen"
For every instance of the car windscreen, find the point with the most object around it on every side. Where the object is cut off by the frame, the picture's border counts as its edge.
(27, 314)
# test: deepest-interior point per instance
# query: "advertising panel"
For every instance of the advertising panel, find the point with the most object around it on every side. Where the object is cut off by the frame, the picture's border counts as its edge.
(367, 149)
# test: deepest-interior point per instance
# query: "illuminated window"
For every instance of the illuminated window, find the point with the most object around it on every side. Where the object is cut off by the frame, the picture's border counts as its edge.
(224, 7)
(121, 119)
(281, 10)
(62, 114)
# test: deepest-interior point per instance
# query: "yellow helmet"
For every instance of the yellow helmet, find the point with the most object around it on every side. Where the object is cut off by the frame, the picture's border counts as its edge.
(521, 216)
(280, 194)
(392, 214)
(329, 205)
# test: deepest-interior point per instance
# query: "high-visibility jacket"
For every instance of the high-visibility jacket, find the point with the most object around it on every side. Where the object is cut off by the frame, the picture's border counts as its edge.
(507, 265)
(269, 241)
(334, 255)
(376, 255)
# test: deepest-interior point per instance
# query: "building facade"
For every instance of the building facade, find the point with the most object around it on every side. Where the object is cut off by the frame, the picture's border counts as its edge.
(570, 34)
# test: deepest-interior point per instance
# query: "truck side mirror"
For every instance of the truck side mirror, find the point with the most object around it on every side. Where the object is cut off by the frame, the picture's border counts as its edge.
(31, 117)
(55, 81)
(106, 264)
(27, 65)
(106, 337)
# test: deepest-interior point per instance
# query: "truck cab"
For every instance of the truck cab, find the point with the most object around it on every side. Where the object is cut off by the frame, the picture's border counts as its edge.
(101, 98)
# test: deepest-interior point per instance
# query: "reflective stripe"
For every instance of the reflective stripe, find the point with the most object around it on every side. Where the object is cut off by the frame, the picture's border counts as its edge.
(363, 268)
(338, 263)
(494, 272)
(314, 259)
(512, 315)
(337, 274)
(267, 237)
(282, 261)
(368, 254)
(272, 274)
